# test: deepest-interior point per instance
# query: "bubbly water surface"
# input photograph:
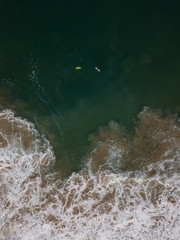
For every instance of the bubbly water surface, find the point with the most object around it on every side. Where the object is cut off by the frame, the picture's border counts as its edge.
(128, 187)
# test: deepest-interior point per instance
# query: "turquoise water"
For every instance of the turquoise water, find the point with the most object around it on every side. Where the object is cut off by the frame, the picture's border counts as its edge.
(135, 45)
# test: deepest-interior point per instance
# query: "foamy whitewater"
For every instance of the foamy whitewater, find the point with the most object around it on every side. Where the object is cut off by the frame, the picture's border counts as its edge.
(128, 187)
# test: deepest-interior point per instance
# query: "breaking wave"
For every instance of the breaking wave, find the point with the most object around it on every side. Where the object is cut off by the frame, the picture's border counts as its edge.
(128, 187)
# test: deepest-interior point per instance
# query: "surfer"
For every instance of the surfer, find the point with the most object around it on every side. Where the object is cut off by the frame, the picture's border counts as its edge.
(97, 69)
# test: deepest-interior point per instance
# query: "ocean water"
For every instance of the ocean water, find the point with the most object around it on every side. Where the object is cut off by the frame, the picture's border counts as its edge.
(87, 154)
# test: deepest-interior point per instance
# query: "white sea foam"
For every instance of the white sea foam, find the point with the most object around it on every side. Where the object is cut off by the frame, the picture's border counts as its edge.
(93, 204)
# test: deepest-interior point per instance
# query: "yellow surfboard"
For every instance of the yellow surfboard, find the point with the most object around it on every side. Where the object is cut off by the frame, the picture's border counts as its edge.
(78, 68)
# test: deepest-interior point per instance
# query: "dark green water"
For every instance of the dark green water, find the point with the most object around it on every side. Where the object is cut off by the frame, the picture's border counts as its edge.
(136, 44)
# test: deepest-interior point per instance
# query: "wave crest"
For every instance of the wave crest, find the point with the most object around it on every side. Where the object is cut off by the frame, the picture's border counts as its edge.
(128, 188)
